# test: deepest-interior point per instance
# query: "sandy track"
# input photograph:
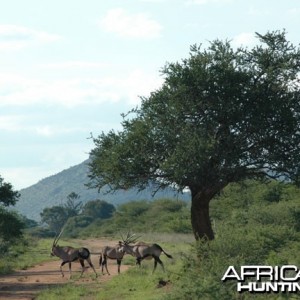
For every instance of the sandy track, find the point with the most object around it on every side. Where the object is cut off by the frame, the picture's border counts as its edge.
(25, 284)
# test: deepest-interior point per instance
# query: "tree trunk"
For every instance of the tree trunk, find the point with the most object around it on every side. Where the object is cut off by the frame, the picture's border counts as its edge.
(200, 215)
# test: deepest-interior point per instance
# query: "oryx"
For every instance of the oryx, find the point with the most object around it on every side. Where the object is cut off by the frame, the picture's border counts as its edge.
(143, 251)
(113, 253)
(69, 254)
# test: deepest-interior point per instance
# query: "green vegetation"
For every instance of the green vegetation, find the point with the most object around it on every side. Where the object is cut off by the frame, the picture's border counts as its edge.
(68, 291)
(26, 253)
(254, 223)
(11, 224)
(162, 215)
(222, 115)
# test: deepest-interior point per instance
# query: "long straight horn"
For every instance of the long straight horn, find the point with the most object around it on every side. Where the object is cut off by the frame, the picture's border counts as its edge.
(59, 235)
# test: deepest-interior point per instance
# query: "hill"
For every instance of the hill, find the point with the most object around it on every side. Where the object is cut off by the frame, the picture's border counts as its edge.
(55, 189)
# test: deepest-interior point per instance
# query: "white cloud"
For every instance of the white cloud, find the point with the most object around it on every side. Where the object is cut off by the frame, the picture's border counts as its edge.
(11, 123)
(49, 159)
(154, 1)
(294, 11)
(244, 39)
(45, 130)
(203, 2)
(258, 12)
(23, 177)
(13, 37)
(23, 91)
(74, 64)
(124, 24)
(140, 84)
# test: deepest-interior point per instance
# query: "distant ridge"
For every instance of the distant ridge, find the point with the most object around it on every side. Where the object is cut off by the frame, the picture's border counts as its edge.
(54, 190)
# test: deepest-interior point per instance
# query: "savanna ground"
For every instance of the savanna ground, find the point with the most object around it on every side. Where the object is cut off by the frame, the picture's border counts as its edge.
(26, 284)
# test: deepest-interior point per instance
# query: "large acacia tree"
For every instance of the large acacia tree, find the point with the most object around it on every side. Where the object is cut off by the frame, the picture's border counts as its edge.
(221, 116)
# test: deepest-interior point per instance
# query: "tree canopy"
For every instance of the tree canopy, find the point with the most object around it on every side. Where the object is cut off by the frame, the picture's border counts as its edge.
(11, 224)
(7, 194)
(221, 116)
(57, 216)
(98, 209)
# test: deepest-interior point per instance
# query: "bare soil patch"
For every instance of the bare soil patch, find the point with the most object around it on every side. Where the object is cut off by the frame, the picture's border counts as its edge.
(25, 284)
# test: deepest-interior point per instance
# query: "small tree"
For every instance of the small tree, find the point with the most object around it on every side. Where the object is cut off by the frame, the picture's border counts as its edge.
(221, 116)
(98, 209)
(55, 217)
(7, 195)
(10, 222)
(73, 206)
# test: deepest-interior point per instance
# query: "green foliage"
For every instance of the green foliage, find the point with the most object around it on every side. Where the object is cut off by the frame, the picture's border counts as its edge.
(55, 217)
(133, 209)
(250, 230)
(98, 209)
(75, 224)
(11, 224)
(222, 115)
(25, 253)
(68, 292)
(68, 216)
(28, 223)
(40, 232)
(162, 215)
(73, 205)
(7, 195)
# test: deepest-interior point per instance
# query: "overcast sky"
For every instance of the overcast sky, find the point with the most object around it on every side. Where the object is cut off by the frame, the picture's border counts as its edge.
(72, 67)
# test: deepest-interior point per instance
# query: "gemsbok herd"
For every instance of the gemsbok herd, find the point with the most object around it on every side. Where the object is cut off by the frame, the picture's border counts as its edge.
(128, 245)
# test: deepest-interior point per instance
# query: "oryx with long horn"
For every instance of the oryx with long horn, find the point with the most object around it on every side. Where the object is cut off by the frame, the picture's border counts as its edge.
(69, 254)
(143, 251)
(113, 253)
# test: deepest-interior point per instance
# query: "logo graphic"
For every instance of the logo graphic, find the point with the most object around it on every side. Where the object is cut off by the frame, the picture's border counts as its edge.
(265, 279)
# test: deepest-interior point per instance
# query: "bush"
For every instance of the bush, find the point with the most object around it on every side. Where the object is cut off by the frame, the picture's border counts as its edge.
(41, 232)
(206, 264)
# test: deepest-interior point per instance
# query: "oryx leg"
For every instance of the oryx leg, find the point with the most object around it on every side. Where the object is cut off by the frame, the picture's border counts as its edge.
(138, 261)
(91, 265)
(82, 266)
(101, 263)
(104, 264)
(70, 271)
(61, 265)
(157, 260)
(119, 265)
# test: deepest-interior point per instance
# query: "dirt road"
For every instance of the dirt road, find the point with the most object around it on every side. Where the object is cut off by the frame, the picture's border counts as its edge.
(25, 284)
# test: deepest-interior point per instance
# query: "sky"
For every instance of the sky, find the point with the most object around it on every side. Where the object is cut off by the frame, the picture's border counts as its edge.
(70, 68)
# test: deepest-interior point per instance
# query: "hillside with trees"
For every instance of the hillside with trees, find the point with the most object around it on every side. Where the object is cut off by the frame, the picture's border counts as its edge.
(54, 191)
